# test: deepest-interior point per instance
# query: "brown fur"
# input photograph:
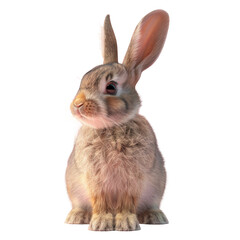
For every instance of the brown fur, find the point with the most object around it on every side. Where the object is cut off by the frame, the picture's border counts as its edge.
(115, 175)
(109, 43)
(109, 179)
(115, 105)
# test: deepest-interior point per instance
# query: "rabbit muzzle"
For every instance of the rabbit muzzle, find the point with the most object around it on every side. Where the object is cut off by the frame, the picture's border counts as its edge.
(84, 107)
(89, 108)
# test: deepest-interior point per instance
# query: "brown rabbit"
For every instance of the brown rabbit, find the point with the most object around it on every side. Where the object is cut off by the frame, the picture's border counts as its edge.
(115, 175)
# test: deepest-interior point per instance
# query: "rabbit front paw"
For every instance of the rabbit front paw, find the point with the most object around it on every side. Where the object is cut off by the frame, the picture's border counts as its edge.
(101, 222)
(153, 217)
(78, 216)
(127, 222)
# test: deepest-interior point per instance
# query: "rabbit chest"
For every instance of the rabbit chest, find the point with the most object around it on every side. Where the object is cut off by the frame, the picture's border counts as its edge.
(112, 160)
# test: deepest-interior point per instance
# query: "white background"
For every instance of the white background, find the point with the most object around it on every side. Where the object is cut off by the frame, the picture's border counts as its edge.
(191, 97)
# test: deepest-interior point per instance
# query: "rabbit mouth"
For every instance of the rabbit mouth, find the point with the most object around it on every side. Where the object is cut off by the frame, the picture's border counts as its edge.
(94, 121)
(89, 109)
(81, 115)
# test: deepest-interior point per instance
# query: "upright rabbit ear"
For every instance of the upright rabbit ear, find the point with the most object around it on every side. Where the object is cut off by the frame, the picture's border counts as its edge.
(146, 43)
(109, 43)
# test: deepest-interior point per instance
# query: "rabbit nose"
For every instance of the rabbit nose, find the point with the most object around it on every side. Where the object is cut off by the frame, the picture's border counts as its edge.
(77, 103)
(79, 100)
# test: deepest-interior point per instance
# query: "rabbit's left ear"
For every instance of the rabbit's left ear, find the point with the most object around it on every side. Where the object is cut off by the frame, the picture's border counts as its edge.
(109, 43)
(146, 43)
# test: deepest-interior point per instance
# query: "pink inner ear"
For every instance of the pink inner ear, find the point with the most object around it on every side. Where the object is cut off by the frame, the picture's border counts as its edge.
(150, 30)
(153, 31)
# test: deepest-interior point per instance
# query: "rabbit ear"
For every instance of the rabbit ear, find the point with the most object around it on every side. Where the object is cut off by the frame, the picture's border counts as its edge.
(109, 43)
(147, 42)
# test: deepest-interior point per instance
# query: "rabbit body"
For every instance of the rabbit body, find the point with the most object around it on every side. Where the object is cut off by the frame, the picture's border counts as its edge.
(118, 164)
(115, 175)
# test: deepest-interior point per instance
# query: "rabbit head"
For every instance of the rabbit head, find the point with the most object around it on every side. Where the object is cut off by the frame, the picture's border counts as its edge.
(107, 94)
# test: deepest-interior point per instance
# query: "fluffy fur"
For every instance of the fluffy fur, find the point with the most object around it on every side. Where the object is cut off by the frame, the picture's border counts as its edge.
(115, 175)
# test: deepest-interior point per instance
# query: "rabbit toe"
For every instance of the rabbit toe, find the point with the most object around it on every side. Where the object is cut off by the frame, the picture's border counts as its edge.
(101, 222)
(127, 222)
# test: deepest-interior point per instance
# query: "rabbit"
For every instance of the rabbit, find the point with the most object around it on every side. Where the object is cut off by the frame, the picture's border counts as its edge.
(115, 175)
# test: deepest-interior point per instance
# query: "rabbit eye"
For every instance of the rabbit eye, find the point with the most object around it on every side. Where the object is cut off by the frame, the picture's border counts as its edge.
(111, 88)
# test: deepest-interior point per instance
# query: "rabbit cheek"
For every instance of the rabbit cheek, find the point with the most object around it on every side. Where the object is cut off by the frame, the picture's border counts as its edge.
(89, 109)
(115, 105)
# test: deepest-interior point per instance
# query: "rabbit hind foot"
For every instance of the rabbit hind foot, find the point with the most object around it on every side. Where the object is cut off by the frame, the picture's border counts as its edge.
(78, 216)
(152, 217)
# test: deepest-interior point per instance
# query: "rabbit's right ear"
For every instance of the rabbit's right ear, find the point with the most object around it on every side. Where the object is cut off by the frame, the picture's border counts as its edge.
(146, 43)
(109, 43)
